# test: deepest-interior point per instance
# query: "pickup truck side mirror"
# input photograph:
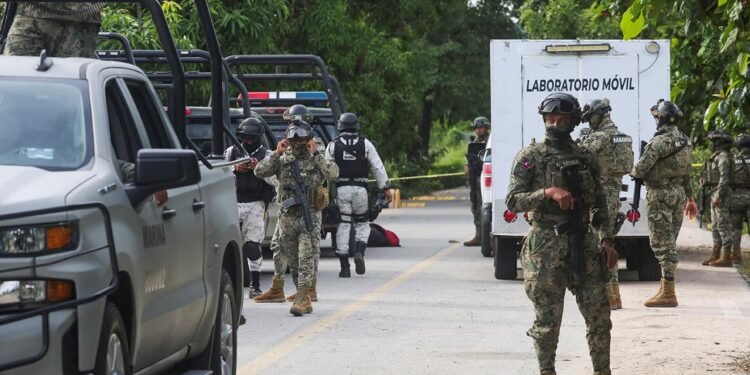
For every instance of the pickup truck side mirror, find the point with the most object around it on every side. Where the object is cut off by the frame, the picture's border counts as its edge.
(161, 169)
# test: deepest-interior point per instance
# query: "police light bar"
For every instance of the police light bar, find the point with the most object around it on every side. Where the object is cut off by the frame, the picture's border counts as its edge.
(305, 95)
(577, 48)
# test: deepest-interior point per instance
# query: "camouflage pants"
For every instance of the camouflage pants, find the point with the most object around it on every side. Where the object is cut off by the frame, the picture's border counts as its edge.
(253, 226)
(280, 263)
(351, 200)
(475, 196)
(300, 247)
(546, 274)
(28, 36)
(721, 228)
(613, 208)
(665, 212)
(739, 208)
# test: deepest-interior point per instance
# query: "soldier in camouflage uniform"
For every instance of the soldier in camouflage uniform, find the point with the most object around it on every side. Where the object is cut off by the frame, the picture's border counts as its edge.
(63, 29)
(716, 181)
(473, 169)
(740, 200)
(536, 187)
(614, 151)
(664, 168)
(299, 245)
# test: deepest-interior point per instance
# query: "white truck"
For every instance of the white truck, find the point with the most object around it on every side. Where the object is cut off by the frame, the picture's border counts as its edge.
(632, 74)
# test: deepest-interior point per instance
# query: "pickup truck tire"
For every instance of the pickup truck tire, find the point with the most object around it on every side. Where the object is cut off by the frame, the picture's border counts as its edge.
(486, 230)
(113, 356)
(220, 355)
(649, 268)
(506, 254)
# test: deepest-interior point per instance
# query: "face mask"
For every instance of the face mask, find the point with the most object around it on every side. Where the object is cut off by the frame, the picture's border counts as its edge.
(299, 149)
(595, 121)
(557, 132)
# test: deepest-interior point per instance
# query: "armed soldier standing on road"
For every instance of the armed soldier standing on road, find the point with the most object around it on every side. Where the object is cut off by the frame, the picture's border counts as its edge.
(355, 156)
(664, 168)
(614, 151)
(552, 261)
(740, 201)
(473, 169)
(253, 197)
(63, 29)
(716, 185)
(301, 175)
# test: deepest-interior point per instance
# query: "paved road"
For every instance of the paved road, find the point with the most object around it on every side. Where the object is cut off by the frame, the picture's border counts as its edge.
(433, 306)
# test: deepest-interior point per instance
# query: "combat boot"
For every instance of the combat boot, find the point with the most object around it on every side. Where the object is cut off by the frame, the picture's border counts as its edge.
(613, 294)
(274, 294)
(476, 241)
(312, 293)
(359, 257)
(714, 256)
(548, 372)
(666, 296)
(302, 303)
(344, 260)
(736, 256)
(724, 261)
(603, 372)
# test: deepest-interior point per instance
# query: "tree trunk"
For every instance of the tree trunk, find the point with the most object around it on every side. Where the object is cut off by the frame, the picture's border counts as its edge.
(425, 124)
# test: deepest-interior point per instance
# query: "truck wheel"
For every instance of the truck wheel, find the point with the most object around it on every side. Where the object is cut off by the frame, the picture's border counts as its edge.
(506, 253)
(631, 262)
(486, 230)
(649, 268)
(220, 355)
(113, 356)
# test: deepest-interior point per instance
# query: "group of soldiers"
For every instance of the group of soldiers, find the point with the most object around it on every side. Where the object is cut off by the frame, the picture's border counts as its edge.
(297, 174)
(547, 179)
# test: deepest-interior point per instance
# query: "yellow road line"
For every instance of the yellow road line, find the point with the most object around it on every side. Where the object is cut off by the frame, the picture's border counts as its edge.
(284, 348)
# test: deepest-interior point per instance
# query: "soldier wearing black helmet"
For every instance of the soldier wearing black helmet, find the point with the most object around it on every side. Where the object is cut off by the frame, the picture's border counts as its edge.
(716, 181)
(740, 200)
(300, 246)
(473, 169)
(253, 196)
(614, 152)
(355, 156)
(537, 187)
(664, 167)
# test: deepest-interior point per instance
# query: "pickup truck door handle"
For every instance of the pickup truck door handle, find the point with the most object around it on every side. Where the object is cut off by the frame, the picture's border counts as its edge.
(198, 205)
(168, 213)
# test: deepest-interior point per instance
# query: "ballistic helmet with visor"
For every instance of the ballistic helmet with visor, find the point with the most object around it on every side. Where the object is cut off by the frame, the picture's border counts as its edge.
(481, 122)
(666, 112)
(298, 112)
(743, 141)
(599, 106)
(298, 130)
(561, 103)
(250, 128)
(348, 122)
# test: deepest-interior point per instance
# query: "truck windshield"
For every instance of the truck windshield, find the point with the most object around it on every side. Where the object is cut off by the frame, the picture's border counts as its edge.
(44, 123)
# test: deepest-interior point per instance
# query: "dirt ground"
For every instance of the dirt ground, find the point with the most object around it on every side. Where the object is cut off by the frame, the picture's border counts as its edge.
(709, 333)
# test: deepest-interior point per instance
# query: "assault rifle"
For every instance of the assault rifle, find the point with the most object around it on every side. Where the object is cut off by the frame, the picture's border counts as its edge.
(633, 213)
(299, 191)
(574, 226)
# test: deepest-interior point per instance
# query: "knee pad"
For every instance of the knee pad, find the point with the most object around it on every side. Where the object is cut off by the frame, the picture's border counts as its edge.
(252, 250)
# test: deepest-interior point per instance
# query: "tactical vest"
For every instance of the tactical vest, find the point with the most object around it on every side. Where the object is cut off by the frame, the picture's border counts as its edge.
(251, 188)
(552, 160)
(711, 173)
(617, 160)
(64, 11)
(312, 179)
(741, 175)
(676, 160)
(351, 159)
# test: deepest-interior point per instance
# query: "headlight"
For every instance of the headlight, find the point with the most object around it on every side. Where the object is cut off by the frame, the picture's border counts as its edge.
(27, 240)
(27, 293)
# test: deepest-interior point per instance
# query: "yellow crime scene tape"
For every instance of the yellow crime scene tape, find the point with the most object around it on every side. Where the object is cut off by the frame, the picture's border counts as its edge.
(419, 201)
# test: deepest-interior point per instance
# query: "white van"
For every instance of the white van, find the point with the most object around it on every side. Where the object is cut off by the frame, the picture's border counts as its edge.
(632, 74)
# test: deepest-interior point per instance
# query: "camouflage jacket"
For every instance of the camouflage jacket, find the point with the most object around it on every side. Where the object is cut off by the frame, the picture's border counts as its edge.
(614, 152)
(537, 167)
(666, 160)
(76, 12)
(741, 174)
(315, 170)
(717, 173)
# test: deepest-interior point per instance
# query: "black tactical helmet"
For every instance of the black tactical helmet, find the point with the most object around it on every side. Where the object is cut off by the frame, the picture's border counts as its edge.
(348, 122)
(250, 127)
(666, 112)
(600, 106)
(743, 141)
(298, 112)
(720, 136)
(298, 130)
(482, 122)
(561, 103)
